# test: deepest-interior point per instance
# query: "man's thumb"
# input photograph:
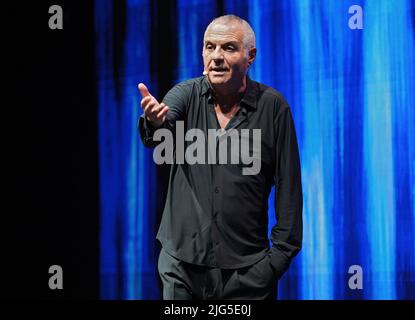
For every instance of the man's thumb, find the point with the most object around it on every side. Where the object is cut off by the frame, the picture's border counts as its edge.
(143, 90)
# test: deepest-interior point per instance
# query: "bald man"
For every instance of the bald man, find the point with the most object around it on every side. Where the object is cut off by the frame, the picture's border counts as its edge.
(214, 229)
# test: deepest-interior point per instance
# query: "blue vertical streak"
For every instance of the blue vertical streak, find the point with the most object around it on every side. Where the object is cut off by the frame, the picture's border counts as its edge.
(378, 141)
(127, 174)
(403, 115)
(107, 160)
(331, 94)
(194, 17)
(236, 7)
(141, 171)
(317, 153)
(351, 242)
(133, 254)
(133, 197)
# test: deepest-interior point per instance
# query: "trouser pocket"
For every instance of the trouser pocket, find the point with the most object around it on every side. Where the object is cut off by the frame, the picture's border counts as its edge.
(258, 281)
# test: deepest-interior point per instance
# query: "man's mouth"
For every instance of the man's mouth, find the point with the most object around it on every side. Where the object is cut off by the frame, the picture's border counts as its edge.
(218, 70)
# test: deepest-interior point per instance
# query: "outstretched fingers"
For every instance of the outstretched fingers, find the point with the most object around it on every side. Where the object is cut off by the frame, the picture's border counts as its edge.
(154, 111)
(143, 90)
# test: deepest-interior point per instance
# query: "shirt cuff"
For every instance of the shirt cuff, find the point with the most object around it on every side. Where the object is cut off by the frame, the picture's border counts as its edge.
(146, 130)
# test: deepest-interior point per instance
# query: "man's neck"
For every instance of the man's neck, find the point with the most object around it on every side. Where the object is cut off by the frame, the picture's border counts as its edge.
(228, 96)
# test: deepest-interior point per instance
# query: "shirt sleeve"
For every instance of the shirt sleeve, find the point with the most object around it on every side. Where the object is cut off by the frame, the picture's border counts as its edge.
(286, 235)
(176, 99)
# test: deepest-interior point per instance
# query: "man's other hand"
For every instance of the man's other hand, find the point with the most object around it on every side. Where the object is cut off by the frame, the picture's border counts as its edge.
(155, 112)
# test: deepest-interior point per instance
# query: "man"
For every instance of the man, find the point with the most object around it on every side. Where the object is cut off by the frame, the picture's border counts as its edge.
(214, 230)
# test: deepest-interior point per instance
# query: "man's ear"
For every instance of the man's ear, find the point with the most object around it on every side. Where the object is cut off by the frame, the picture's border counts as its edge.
(251, 55)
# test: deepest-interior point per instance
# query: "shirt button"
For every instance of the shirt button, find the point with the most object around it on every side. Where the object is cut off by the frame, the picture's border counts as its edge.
(216, 190)
(217, 243)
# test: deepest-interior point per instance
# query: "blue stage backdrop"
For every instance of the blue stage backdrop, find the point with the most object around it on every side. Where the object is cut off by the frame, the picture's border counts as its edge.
(352, 93)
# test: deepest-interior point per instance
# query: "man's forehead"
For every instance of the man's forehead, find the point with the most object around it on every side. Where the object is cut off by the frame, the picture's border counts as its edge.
(228, 32)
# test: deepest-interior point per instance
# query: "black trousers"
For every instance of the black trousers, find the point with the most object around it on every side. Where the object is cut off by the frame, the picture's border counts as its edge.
(185, 281)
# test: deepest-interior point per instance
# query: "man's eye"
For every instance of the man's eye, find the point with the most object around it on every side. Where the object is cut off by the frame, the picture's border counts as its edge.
(209, 47)
(230, 48)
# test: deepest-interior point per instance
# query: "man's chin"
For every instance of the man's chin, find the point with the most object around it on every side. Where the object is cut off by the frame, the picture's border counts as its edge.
(218, 80)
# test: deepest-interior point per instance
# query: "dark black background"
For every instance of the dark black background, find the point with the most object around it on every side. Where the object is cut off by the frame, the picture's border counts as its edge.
(50, 209)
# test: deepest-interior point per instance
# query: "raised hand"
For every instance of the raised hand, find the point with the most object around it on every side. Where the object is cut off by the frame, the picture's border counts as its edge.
(154, 111)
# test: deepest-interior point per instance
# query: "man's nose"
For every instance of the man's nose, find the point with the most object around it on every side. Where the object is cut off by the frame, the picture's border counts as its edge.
(217, 54)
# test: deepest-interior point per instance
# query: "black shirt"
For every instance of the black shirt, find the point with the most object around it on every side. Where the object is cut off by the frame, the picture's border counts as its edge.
(216, 216)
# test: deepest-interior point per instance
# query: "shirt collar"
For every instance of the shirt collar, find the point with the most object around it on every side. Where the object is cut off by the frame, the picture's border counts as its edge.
(249, 97)
(251, 93)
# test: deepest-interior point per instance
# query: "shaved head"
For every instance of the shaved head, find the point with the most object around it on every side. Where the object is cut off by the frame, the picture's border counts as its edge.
(249, 35)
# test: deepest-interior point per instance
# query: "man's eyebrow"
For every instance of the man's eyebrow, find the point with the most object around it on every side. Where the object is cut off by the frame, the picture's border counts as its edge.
(234, 43)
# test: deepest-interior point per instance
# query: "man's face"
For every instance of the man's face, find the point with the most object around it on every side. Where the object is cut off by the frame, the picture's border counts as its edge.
(224, 55)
